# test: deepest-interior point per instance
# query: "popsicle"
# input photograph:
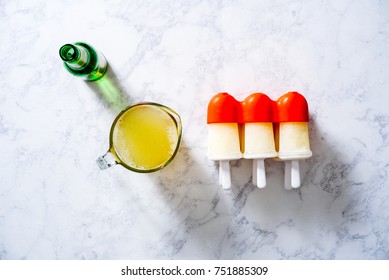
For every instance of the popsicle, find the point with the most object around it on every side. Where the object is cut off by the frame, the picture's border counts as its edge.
(258, 137)
(292, 137)
(223, 137)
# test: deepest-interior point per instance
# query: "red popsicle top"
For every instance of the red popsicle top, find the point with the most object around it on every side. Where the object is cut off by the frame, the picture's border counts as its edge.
(223, 108)
(292, 107)
(257, 107)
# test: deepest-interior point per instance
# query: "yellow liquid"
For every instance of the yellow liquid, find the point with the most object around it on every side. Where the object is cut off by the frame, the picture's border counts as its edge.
(145, 137)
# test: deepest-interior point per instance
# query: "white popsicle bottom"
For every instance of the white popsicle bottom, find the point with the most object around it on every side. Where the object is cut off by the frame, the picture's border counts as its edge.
(258, 145)
(223, 141)
(293, 141)
(293, 146)
(223, 146)
(258, 140)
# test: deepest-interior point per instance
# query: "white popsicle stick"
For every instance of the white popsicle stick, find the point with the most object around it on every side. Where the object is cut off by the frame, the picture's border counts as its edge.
(224, 174)
(295, 174)
(288, 174)
(260, 172)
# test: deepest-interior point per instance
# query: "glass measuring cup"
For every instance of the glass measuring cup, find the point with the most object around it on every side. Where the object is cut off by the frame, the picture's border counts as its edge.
(144, 137)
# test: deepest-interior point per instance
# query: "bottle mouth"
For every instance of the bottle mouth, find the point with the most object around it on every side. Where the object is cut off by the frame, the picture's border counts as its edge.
(68, 52)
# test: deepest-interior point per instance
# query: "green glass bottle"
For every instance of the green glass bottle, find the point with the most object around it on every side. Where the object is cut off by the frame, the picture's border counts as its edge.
(82, 60)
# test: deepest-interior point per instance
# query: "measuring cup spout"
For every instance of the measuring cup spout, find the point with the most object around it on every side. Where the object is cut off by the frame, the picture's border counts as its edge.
(106, 161)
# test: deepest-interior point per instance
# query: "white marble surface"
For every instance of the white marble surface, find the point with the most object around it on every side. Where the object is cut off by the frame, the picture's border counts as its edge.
(56, 204)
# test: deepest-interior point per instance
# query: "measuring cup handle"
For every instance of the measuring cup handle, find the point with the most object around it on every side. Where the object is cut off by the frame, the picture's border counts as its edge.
(106, 161)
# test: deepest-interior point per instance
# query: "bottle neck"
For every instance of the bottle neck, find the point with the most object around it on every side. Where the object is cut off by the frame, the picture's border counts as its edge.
(76, 57)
